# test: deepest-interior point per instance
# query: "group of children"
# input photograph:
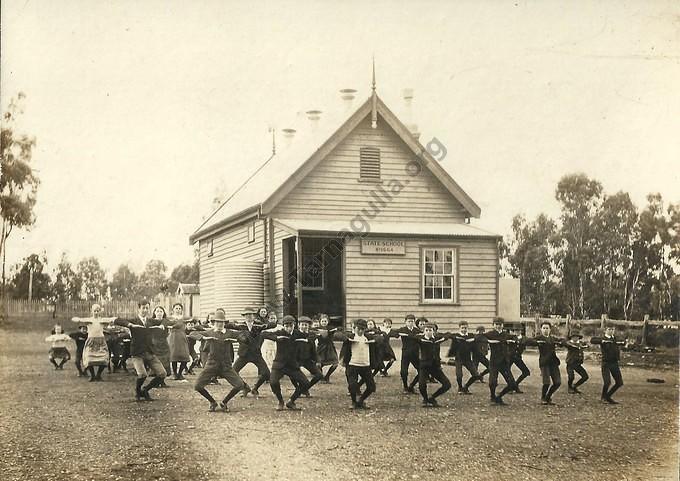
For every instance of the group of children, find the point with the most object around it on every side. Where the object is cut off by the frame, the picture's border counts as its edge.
(159, 345)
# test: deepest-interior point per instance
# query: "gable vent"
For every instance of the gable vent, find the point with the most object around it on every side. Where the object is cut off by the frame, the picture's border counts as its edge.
(369, 163)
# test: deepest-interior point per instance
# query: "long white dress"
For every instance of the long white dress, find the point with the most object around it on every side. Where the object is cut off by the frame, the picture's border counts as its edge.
(95, 352)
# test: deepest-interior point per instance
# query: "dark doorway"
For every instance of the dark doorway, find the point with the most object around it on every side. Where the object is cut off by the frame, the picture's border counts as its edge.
(322, 277)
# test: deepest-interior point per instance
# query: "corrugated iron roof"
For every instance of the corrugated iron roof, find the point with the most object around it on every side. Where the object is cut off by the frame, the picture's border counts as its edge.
(388, 228)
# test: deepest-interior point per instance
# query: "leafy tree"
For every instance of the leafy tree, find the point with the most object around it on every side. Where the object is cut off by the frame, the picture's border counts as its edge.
(615, 228)
(18, 182)
(67, 283)
(580, 199)
(154, 278)
(92, 278)
(530, 253)
(32, 266)
(125, 283)
(185, 274)
(655, 248)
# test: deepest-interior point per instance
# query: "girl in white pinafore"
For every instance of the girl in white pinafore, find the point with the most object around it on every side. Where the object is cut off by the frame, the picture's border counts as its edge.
(95, 352)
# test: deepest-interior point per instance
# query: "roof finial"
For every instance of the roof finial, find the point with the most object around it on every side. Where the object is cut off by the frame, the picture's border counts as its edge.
(373, 85)
(374, 101)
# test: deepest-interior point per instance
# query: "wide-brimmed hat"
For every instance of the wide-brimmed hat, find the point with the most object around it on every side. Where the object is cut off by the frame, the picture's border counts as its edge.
(219, 316)
(248, 310)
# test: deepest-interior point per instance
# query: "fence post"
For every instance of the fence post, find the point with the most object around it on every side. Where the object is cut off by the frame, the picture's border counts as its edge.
(603, 320)
(537, 324)
(568, 322)
(645, 330)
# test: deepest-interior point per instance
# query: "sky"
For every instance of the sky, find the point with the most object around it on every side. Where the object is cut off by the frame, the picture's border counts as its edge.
(143, 112)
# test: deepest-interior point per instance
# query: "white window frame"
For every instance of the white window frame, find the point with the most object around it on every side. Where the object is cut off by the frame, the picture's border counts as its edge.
(454, 274)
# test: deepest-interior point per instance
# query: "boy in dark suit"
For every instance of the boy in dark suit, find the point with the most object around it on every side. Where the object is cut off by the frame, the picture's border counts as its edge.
(219, 362)
(611, 354)
(142, 354)
(500, 361)
(250, 349)
(462, 347)
(481, 349)
(547, 361)
(516, 350)
(409, 350)
(307, 356)
(430, 363)
(575, 362)
(286, 362)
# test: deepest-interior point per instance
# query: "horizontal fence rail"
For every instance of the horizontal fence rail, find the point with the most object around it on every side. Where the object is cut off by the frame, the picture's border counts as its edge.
(78, 308)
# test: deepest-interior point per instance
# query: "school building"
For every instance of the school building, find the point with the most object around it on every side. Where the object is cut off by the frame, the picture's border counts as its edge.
(355, 219)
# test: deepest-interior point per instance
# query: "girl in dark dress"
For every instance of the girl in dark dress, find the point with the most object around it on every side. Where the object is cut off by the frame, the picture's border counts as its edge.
(159, 340)
(325, 349)
(388, 356)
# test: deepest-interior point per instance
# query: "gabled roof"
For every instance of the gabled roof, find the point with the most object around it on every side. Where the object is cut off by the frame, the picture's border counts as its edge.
(188, 289)
(282, 172)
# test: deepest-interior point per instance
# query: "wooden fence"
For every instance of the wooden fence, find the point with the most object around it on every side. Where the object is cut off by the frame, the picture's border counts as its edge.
(567, 324)
(35, 308)
(67, 309)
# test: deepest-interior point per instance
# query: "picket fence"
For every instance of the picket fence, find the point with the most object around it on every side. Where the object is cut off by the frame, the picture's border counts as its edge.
(71, 308)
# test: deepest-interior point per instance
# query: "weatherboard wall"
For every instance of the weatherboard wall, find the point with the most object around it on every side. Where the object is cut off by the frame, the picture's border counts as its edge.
(333, 189)
(379, 286)
(228, 245)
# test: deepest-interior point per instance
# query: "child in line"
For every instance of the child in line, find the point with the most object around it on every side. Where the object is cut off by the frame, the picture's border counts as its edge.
(430, 363)
(356, 357)
(499, 362)
(609, 346)
(219, 362)
(462, 347)
(516, 351)
(96, 351)
(286, 363)
(58, 351)
(575, 362)
(547, 361)
(480, 351)
(388, 356)
(250, 348)
(409, 351)
(269, 346)
(159, 340)
(325, 348)
(79, 337)
(307, 356)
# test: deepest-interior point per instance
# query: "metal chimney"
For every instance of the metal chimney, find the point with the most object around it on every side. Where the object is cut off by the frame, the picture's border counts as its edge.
(407, 94)
(288, 135)
(314, 116)
(348, 95)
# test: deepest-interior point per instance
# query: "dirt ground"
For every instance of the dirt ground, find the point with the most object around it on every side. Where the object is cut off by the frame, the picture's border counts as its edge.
(56, 426)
